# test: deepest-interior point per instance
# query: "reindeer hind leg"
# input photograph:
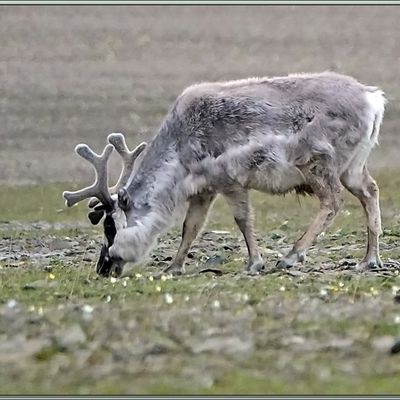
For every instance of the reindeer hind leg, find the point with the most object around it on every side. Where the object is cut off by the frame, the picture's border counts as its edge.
(325, 184)
(364, 187)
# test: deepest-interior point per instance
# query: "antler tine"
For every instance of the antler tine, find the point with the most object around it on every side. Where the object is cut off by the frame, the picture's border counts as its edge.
(128, 157)
(99, 188)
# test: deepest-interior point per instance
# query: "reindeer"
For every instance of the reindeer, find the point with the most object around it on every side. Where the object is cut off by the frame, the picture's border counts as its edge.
(307, 133)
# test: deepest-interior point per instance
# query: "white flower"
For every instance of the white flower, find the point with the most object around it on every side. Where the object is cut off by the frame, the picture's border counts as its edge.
(87, 309)
(374, 291)
(216, 304)
(158, 288)
(323, 292)
(397, 319)
(12, 303)
(282, 289)
(168, 298)
(113, 280)
(108, 299)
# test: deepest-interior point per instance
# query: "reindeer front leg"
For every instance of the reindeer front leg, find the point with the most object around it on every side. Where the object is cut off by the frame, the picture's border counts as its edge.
(240, 205)
(194, 220)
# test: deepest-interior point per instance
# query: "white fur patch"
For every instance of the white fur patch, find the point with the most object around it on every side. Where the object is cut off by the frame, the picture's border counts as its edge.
(376, 101)
(376, 106)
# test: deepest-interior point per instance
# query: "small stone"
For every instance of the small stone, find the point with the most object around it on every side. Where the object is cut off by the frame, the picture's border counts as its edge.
(40, 284)
(395, 349)
(71, 337)
(18, 348)
(215, 260)
(60, 244)
(231, 345)
(382, 343)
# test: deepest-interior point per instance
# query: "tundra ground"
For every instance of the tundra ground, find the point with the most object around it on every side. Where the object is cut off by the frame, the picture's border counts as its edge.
(319, 328)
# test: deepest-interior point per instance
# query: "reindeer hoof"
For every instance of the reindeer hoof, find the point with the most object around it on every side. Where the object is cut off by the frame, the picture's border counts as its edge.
(369, 265)
(291, 259)
(255, 268)
(283, 264)
(173, 270)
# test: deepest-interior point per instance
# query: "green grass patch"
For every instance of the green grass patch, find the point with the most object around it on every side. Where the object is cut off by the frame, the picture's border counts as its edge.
(310, 333)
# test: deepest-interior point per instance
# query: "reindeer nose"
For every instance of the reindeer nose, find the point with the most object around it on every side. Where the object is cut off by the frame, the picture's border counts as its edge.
(123, 198)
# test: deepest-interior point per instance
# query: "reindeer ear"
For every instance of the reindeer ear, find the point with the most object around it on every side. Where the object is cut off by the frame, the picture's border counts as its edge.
(96, 216)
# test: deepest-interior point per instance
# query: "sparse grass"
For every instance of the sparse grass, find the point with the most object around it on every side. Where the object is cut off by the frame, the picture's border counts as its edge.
(308, 333)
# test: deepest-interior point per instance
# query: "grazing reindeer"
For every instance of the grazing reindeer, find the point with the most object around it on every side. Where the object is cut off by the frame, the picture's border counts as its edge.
(309, 133)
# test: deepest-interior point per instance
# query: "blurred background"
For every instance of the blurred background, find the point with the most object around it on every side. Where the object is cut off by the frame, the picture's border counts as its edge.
(72, 74)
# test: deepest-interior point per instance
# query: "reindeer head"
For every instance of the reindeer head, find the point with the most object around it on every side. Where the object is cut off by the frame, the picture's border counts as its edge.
(105, 201)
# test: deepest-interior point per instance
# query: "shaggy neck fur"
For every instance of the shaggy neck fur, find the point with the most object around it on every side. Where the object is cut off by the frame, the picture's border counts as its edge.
(167, 203)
